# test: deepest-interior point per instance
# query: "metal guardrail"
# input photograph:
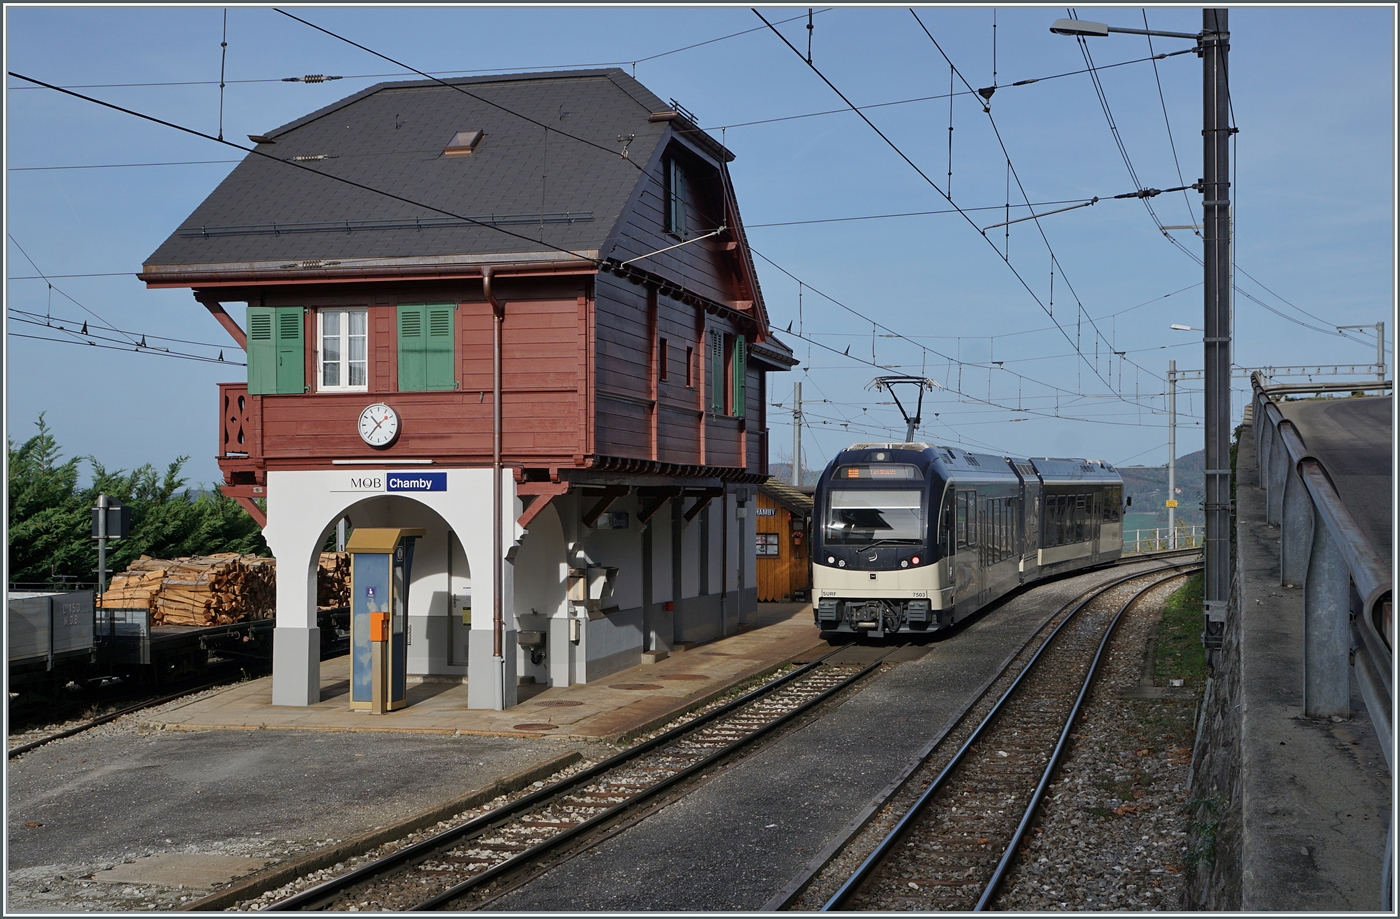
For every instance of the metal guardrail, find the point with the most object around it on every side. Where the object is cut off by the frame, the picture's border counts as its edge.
(1348, 624)
(1161, 539)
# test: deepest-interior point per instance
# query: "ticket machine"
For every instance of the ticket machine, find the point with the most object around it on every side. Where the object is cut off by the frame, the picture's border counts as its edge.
(381, 563)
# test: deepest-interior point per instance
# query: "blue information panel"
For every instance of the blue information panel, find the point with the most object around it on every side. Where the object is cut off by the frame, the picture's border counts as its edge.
(370, 583)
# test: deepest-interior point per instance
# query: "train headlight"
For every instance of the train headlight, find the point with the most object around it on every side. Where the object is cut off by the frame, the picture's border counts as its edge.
(914, 560)
(841, 563)
(831, 559)
(904, 564)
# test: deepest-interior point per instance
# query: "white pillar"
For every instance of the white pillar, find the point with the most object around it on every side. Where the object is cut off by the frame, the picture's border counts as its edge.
(490, 682)
(293, 533)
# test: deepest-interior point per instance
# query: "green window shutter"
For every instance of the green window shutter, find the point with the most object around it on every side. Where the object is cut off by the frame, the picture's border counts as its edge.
(740, 371)
(439, 353)
(291, 349)
(262, 351)
(717, 372)
(413, 368)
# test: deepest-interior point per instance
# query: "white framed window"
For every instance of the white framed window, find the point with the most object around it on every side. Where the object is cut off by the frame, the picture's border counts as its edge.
(342, 359)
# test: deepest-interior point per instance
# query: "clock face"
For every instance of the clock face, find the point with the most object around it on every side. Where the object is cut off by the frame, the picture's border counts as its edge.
(379, 425)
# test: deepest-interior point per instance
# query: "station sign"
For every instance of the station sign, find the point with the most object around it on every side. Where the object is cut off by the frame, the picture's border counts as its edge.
(416, 481)
(380, 482)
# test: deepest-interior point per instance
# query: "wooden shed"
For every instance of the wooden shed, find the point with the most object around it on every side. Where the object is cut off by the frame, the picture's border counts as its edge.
(782, 531)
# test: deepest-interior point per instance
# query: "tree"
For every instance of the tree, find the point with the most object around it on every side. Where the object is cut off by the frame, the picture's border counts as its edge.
(50, 523)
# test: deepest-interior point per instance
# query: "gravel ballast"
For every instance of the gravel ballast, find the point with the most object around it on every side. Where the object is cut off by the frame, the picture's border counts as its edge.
(1112, 829)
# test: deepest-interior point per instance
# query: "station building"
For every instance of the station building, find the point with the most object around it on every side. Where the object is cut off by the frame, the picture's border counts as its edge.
(564, 242)
(784, 532)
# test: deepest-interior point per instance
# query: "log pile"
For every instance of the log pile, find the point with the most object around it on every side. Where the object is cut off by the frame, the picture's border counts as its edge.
(333, 580)
(200, 590)
(135, 588)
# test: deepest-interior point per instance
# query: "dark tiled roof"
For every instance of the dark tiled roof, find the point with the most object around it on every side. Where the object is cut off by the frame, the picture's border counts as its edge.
(391, 137)
(789, 497)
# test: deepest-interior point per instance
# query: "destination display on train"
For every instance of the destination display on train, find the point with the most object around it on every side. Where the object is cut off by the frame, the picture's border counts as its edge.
(878, 471)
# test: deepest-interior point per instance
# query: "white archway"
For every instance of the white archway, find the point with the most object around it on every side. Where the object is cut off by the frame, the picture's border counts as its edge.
(302, 506)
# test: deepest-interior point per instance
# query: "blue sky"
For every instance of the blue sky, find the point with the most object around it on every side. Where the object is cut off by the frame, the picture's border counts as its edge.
(1313, 95)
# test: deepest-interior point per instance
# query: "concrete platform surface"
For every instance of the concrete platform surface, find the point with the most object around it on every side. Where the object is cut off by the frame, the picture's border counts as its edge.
(173, 869)
(627, 702)
(1316, 791)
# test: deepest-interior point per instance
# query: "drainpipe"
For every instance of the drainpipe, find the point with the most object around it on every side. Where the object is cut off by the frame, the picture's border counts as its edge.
(499, 312)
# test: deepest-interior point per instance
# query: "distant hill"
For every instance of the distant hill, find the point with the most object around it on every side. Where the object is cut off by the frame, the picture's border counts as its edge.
(1147, 486)
(783, 473)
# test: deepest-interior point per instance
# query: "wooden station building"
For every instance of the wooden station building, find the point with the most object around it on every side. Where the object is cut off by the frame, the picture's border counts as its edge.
(784, 532)
(372, 245)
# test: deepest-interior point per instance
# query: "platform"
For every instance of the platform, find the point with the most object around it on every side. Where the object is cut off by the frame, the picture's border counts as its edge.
(626, 703)
(1314, 793)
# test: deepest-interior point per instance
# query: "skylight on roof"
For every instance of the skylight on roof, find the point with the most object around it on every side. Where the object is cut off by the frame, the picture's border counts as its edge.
(463, 143)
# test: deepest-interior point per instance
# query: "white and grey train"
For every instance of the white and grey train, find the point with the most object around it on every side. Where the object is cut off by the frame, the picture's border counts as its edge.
(915, 537)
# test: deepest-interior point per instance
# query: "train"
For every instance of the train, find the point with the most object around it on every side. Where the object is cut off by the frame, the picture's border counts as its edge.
(57, 637)
(915, 537)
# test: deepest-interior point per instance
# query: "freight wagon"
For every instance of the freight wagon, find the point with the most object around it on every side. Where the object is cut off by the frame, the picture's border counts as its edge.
(57, 637)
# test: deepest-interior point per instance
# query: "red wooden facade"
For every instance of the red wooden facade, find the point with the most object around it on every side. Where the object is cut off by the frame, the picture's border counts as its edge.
(617, 322)
(581, 381)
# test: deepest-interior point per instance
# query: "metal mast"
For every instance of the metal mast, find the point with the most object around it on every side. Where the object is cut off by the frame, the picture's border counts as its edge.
(1171, 454)
(1214, 47)
(796, 434)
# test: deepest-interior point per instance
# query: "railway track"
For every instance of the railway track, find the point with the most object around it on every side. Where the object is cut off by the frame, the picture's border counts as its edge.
(460, 868)
(943, 834)
(227, 679)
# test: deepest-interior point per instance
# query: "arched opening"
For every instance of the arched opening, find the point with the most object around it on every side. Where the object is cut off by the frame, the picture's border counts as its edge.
(541, 571)
(439, 600)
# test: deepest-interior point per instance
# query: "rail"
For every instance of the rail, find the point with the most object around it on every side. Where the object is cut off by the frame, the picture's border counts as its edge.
(1348, 622)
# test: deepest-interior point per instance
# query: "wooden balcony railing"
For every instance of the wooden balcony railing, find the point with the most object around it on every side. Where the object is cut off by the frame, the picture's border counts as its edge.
(240, 435)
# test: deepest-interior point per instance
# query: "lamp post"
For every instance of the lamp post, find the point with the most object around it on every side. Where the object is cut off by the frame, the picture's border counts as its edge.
(1212, 44)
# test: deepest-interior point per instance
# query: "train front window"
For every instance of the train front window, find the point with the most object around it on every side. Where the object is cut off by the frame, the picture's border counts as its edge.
(860, 517)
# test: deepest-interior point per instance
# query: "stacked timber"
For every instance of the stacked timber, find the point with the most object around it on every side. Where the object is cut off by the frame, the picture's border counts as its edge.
(135, 588)
(199, 590)
(333, 580)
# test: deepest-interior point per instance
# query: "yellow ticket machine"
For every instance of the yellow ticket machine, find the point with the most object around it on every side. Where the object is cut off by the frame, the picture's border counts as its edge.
(381, 562)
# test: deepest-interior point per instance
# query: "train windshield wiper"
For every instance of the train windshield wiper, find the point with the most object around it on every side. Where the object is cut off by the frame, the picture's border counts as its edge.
(887, 542)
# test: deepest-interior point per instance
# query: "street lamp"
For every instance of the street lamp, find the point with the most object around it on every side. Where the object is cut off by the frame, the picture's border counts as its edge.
(1213, 45)
(1185, 328)
(1081, 28)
